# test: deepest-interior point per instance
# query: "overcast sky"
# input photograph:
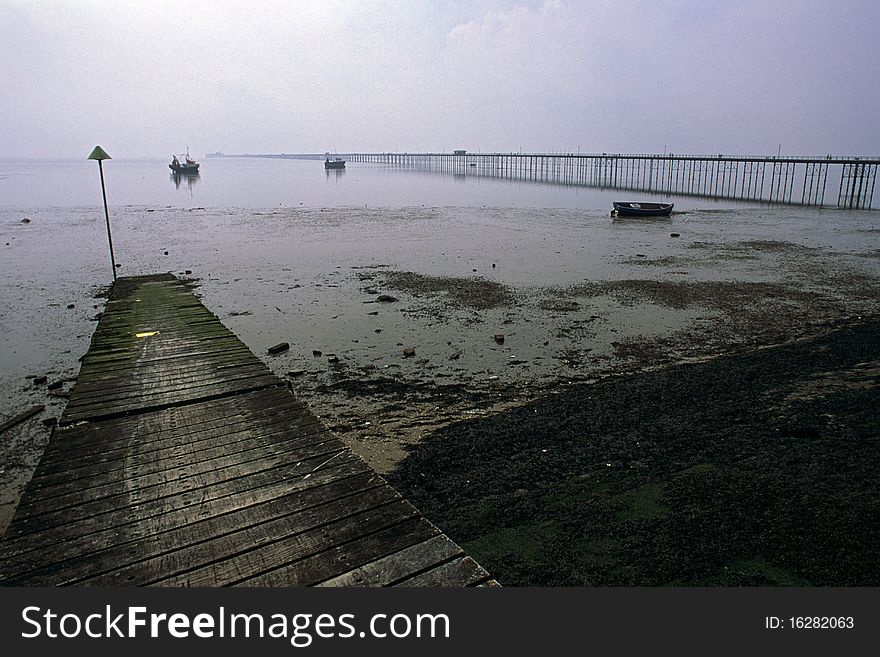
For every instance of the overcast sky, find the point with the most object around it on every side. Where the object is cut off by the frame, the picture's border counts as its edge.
(148, 78)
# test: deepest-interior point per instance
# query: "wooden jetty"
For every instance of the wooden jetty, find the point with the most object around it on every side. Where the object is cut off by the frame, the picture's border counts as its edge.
(848, 182)
(181, 460)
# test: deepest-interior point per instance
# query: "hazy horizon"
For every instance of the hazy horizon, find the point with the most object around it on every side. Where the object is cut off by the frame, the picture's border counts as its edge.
(144, 80)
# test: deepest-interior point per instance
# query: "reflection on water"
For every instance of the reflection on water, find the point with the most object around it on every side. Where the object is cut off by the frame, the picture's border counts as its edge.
(261, 183)
(336, 174)
(189, 179)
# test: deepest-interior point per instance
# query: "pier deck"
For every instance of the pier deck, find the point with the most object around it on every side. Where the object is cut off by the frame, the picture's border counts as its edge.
(181, 460)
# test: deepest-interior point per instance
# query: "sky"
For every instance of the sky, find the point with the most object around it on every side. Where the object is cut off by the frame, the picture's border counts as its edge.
(146, 79)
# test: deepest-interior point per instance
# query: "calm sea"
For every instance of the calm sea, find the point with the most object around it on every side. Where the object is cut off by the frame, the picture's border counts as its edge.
(272, 183)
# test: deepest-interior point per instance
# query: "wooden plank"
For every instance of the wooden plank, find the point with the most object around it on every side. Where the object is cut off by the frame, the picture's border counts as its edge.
(138, 521)
(150, 400)
(81, 502)
(219, 449)
(400, 565)
(94, 453)
(232, 556)
(21, 417)
(253, 564)
(339, 558)
(115, 559)
(463, 571)
(212, 413)
(58, 471)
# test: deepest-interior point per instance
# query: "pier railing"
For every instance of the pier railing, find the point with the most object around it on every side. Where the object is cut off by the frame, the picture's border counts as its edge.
(830, 180)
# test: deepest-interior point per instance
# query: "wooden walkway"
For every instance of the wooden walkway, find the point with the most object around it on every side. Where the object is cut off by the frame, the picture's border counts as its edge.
(181, 460)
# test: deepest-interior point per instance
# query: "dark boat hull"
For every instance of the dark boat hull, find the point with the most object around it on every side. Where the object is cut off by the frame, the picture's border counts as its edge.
(334, 164)
(643, 209)
(184, 168)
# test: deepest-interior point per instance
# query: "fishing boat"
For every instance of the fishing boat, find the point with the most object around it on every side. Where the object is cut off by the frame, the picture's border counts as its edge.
(336, 163)
(187, 166)
(643, 209)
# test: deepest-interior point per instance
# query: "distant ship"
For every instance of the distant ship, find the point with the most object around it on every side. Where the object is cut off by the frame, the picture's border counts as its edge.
(187, 166)
(336, 163)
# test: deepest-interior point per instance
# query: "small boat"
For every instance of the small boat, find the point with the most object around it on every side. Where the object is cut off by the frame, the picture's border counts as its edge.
(187, 166)
(336, 163)
(643, 209)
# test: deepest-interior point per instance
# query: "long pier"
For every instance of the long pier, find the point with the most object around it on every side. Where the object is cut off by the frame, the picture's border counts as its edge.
(843, 182)
(181, 460)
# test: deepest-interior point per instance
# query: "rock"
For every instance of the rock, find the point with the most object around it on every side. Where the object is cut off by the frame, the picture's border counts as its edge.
(455, 356)
(71, 305)
(40, 380)
(375, 312)
(332, 358)
(25, 221)
(294, 373)
(386, 298)
(409, 352)
(278, 348)
(371, 290)
(674, 234)
(377, 330)
(499, 338)
(187, 271)
(641, 255)
(316, 352)
(55, 385)
(50, 422)
(166, 252)
(493, 265)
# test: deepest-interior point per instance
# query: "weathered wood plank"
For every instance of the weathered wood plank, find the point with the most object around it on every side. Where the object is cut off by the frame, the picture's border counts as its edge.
(21, 417)
(463, 571)
(71, 465)
(293, 548)
(218, 449)
(76, 439)
(138, 521)
(400, 565)
(118, 555)
(140, 488)
(233, 556)
(339, 558)
(76, 411)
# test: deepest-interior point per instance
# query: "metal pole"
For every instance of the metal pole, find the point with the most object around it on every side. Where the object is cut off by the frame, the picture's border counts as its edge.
(107, 218)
